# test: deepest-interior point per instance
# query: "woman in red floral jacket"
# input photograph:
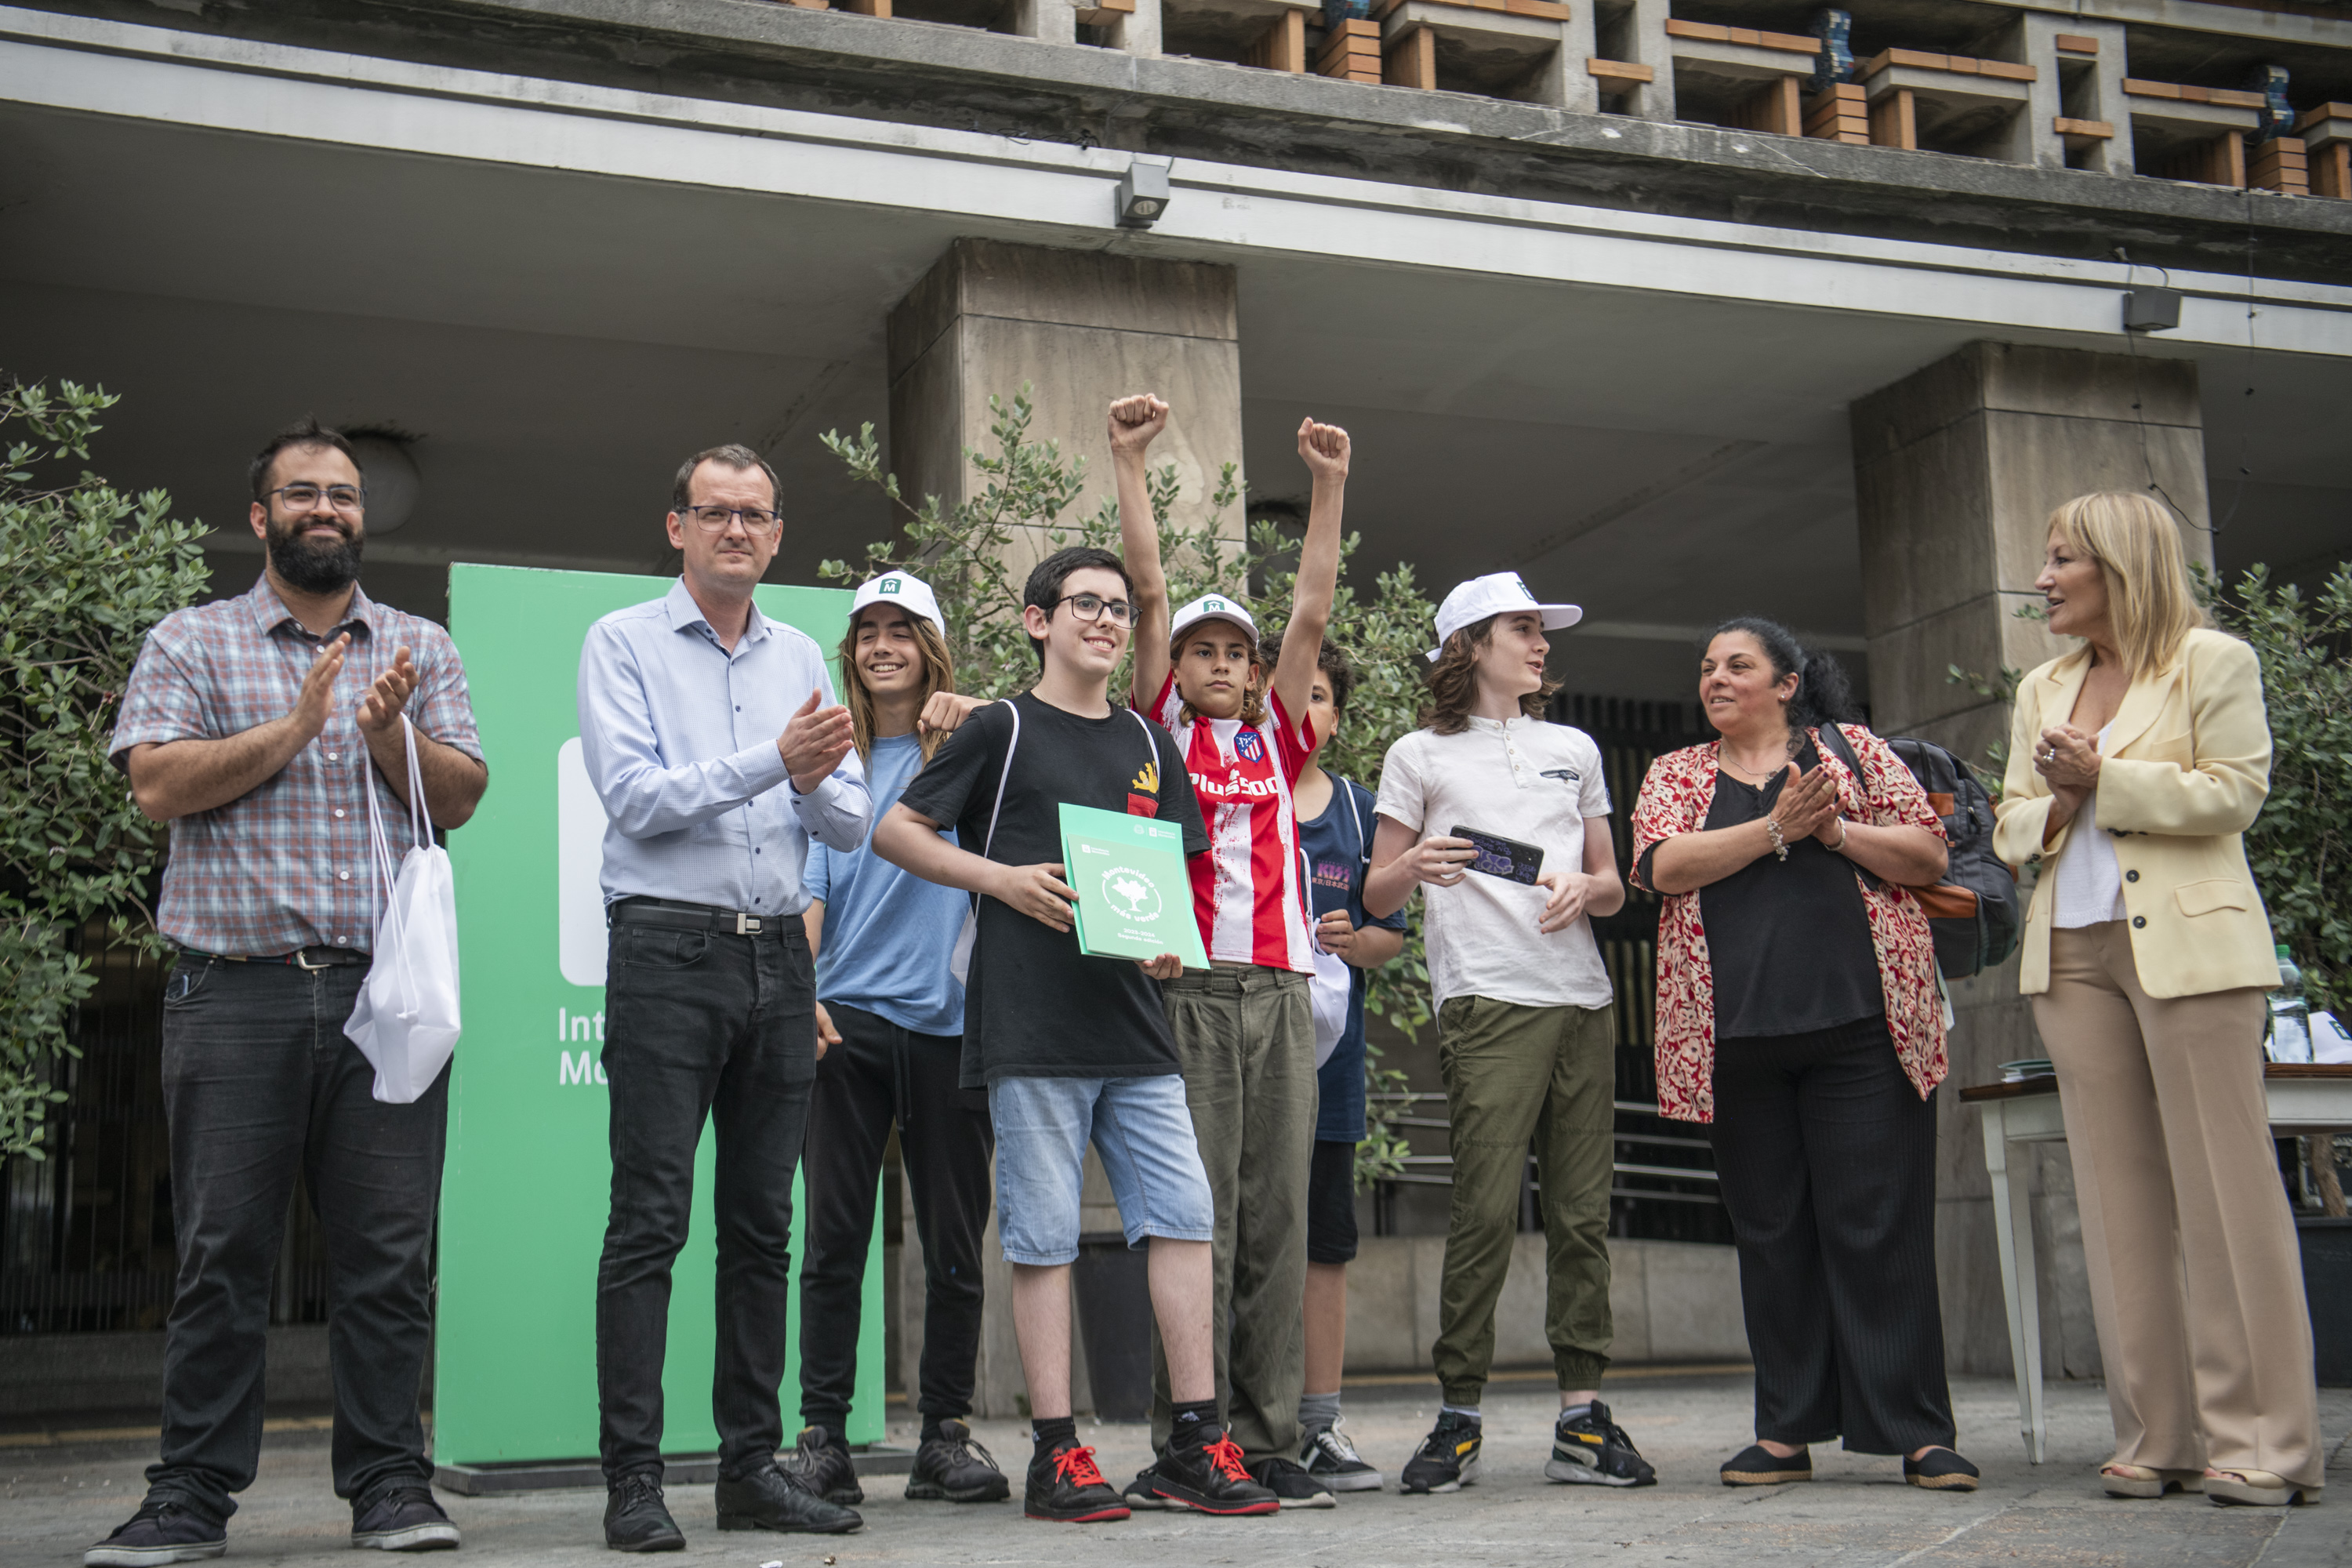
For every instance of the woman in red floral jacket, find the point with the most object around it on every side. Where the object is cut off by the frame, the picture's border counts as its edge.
(1799, 1014)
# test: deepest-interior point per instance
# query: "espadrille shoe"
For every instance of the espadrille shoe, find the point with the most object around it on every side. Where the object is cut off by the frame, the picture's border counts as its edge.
(2254, 1489)
(2140, 1481)
(1758, 1465)
(1941, 1471)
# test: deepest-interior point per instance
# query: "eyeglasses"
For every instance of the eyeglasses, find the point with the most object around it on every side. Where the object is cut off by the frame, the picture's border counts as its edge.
(757, 519)
(1093, 607)
(302, 497)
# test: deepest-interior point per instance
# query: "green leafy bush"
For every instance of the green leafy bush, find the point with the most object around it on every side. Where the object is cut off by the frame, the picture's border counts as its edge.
(2301, 844)
(975, 556)
(84, 571)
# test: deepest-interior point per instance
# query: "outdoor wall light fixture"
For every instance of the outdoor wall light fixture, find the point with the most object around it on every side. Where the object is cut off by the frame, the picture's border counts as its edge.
(2151, 310)
(1143, 193)
(390, 471)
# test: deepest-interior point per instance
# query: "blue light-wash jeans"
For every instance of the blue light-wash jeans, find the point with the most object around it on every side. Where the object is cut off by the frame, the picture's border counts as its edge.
(1143, 1131)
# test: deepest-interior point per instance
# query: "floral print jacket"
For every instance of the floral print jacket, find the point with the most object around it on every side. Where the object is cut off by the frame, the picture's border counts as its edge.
(1676, 796)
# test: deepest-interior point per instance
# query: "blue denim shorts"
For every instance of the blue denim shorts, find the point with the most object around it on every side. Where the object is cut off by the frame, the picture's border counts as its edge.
(1143, 1130)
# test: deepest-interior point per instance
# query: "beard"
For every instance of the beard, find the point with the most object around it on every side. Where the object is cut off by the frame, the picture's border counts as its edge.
(313, 566)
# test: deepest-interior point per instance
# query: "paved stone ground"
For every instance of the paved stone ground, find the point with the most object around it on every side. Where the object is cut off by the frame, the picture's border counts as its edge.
(56, 1497)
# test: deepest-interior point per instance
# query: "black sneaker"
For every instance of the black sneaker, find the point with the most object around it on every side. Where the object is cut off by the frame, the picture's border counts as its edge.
(1066, 1487)
(1448, 1457)
(772, 1497)
(1593, 1449)
(402, 1518)
(635, 1518)
(951, 1468)
(1141, 1494)
(821, 1462)
(165, 1529)
(1332, 1459)
(1209, 1478)
(1291, 1485)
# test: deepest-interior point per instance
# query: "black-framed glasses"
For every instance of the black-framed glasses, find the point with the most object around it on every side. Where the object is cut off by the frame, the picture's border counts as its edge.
(1093, 607)
(715, 519)
(302, 497)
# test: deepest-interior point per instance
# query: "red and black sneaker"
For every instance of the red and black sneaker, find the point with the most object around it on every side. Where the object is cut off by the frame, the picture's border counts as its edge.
(1066, 1487)
(1209, 1478)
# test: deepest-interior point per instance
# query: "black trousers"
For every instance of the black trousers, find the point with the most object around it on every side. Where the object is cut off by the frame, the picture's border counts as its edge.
(1827, 1157)
(880, 1074)
(260, 1083)
(699, 1025)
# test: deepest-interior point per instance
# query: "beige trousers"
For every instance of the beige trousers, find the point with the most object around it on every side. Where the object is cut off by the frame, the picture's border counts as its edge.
(2196, 1274)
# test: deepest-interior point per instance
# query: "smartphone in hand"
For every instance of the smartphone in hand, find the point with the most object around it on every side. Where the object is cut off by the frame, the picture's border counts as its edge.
(1505, 857)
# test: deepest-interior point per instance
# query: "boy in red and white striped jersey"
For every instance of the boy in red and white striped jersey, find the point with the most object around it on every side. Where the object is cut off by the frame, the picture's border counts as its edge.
(1245, 1031)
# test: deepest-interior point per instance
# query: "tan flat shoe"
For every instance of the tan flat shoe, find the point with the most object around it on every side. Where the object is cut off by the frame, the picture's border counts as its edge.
(2140, 1481)
(2255, 1489)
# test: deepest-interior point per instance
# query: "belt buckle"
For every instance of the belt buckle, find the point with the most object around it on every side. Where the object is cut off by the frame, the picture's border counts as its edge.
(302, 961)
(746, 925)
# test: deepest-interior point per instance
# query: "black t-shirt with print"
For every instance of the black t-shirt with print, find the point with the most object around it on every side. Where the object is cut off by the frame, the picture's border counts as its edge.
(1035, 1005)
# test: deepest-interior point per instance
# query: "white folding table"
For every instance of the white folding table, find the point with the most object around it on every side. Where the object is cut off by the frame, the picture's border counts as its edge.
(2305, 1098)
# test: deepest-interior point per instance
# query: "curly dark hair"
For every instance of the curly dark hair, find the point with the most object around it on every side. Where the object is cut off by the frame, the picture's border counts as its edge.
(1453, 682)
(1824, 695)
(1332, 659)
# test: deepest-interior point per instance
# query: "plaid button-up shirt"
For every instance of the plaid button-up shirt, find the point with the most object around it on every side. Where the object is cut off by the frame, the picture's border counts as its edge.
(288, 866)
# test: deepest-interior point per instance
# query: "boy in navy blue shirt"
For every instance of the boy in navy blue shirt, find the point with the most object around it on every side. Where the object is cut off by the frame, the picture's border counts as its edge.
(1335, 834)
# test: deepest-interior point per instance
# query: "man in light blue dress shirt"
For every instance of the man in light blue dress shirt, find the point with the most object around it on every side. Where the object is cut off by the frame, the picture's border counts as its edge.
(713, 740)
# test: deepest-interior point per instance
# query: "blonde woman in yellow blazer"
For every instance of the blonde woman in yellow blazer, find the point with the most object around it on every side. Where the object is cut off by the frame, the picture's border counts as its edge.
(2135, 764)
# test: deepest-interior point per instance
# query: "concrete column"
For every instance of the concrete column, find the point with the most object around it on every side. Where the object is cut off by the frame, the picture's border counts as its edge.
(1055, 21)
(2073, 87)
(1080, 327)
(1956, 469)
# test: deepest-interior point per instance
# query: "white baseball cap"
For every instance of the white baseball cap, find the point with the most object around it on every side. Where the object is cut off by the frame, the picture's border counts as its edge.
(904, 589)
(1496, 593)
(1211, 607)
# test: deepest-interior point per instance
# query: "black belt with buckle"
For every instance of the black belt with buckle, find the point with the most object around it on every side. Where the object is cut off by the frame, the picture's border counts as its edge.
(679, 916)
(301, 958)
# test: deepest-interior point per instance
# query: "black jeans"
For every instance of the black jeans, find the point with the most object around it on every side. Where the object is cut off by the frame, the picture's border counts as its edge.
(1827, 1157)
(880, 1074)
(698, 1024)
(260, 1083)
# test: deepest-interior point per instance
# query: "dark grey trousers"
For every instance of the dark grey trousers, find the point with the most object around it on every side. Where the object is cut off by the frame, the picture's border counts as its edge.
(701, 1027)
(260, 1083)
(1827, 1157)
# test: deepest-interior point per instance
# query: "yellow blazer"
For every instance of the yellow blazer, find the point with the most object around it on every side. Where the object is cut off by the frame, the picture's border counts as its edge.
(2183, 774)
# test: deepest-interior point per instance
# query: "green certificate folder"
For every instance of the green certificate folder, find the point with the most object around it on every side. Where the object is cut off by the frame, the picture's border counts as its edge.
(1135, 899)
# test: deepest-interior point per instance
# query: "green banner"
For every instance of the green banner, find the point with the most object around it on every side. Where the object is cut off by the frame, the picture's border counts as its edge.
(524, 1195)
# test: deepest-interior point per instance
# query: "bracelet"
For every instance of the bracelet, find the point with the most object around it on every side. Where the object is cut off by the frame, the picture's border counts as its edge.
(1773, 831)
(1839, 848)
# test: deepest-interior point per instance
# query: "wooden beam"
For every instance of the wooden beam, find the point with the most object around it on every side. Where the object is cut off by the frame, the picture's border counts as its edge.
(1776, 107)
(1283, 46)
(2083, 129)
(1412, 60)
(2279, 165)
(2330, 171)
(1619, 70)
(1895, 121)
(2078, 44)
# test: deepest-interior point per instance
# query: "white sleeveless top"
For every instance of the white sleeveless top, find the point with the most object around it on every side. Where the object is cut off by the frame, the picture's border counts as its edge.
(2090, 882)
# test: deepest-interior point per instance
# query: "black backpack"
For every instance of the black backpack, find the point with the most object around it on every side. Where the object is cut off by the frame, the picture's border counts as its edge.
(1973, 911)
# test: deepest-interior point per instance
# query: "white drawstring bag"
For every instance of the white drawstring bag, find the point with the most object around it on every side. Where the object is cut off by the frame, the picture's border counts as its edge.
(406, 1023)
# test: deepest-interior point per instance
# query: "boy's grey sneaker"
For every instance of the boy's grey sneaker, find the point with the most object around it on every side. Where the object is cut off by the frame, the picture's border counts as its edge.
(637, 1520)
(1594, 1450)
(165, 1529)
(1448, 1457)
(1332, 1459)
(951, 1468)
(402, 1518)
(1291, 1484)
(821, 1461)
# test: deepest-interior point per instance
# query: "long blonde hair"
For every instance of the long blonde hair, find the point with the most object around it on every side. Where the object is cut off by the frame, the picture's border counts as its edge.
(2150, 602)
(939, 675)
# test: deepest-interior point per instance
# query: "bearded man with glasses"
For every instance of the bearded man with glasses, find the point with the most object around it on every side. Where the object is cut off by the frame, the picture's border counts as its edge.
(711, 736)
(258, 726)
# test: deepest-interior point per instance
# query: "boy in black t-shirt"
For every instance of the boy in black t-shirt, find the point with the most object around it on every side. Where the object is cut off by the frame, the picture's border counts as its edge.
(1073, 1047)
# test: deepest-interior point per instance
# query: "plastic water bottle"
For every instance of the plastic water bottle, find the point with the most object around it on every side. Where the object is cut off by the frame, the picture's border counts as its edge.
(2290, 1015)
